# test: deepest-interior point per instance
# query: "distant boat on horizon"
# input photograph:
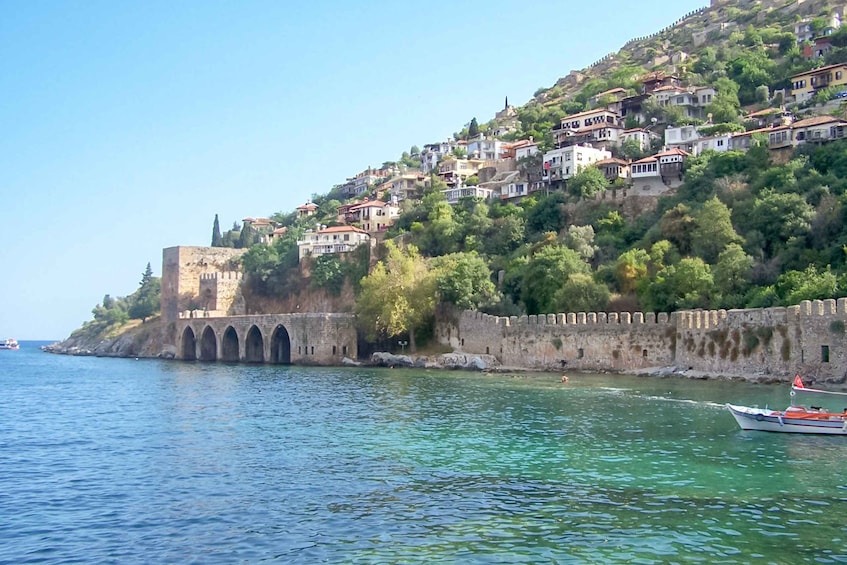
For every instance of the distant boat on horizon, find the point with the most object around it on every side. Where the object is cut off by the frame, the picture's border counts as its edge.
(10, 344)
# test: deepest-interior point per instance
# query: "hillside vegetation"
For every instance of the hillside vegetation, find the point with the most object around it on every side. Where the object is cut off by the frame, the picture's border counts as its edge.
(744, 229)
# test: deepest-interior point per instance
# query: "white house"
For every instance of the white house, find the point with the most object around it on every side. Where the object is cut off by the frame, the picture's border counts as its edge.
(682, 137)
(374, 215)
(432, 153)
(579, 123)
(641, 136)
(721, 142)
(691, 99)
(524, 148)
(658, 173)
(485, 149)
(402, 187)
(563, 163)
(337, 239)
(453, 195)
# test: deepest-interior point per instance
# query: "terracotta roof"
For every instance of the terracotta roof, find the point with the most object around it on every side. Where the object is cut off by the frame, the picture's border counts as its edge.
(598, 126)
(611, 161)
(820, 69)
(610, 91)
(816, 121)
(522, 143)
(280, 231)
(586, 113)
(646, 159)
(307, 206)
(369, 204)
(764, 112)
(751, 132)
(341, 229)
(670, 87)
(674, 151)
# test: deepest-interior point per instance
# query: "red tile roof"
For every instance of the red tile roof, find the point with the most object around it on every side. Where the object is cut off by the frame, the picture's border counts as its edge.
(342, 229)
(816, 121)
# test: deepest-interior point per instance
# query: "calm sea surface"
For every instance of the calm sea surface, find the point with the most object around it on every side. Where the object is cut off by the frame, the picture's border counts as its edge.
(125, 461)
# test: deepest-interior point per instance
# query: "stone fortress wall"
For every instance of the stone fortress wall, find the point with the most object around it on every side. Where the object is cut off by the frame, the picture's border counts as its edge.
(205, 317)
(772, 342)
(182, 269)
(220, 294)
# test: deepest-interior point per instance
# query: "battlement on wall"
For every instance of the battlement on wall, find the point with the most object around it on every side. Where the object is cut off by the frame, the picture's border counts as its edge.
(587, 319)
(811, 309)
(222, 276)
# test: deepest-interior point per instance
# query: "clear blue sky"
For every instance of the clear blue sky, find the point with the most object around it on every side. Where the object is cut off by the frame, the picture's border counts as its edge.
(126, 126)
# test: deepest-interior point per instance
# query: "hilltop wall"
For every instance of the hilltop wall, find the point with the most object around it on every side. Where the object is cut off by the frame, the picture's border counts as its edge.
(771, 343)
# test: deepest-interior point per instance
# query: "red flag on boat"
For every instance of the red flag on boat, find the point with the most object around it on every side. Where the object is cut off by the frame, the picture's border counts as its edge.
(798, 382)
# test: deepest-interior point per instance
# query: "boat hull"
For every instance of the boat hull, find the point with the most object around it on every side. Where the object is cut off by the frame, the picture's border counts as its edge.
(765, 420)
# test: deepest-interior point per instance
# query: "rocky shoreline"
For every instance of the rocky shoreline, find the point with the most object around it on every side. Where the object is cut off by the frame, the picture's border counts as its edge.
(148, 345)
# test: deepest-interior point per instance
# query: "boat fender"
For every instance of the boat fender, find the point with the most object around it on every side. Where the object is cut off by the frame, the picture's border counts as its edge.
(759, 417)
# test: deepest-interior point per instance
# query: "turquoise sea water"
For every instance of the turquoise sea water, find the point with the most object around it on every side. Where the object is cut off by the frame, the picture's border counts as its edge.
(125, 461)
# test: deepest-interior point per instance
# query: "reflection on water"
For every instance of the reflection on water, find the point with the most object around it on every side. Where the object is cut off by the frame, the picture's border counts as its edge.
(115, 460)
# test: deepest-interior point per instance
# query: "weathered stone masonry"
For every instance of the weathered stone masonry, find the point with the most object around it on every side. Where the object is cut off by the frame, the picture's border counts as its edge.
(203, 316)
(302, 339)
(806, 339)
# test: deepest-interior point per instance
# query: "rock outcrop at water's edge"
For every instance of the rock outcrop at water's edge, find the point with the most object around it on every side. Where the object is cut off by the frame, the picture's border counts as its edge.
(456, 360)
(142, 340)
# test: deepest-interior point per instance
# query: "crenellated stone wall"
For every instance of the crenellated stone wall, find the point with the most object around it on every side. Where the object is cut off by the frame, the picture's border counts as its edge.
(583, 341)
(779, 342)
(220, 293)
(182, 268)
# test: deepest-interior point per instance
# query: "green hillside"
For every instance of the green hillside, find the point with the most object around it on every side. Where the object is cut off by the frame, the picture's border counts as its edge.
(751, 227)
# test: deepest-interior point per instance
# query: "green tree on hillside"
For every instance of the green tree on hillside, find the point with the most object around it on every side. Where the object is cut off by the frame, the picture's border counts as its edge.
(588, 182)
(398, 296)
(712, 230)
(145, 301)
(545, 273)
(463, 279)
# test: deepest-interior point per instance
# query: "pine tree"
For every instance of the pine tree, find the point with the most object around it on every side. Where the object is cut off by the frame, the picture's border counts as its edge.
(217, 240)
(145, 301)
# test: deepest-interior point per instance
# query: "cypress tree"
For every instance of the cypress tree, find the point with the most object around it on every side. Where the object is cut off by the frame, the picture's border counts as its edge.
(217, 240)
(473, 129)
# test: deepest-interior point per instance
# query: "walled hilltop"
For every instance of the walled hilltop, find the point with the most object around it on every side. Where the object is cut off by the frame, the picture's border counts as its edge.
(768, 343)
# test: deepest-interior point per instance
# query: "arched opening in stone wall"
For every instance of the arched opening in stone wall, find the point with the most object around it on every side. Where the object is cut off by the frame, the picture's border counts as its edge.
(229, 345)
(189, 345)
(209, 345)
(254, 346)
(280, 346)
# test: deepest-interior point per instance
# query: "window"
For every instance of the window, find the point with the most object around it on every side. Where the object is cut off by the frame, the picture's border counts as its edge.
(580, 353)
(824, 354)
(837, 75)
